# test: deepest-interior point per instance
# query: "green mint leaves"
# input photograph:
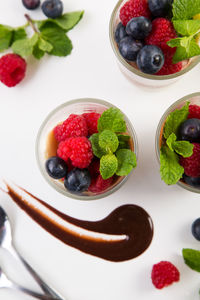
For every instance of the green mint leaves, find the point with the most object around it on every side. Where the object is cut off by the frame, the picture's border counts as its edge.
(49, 36)
(187, 28)
(111, 146)
(170, 169)
(192, 259)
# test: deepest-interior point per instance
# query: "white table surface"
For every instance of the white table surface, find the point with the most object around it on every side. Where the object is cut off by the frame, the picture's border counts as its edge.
(91, 71)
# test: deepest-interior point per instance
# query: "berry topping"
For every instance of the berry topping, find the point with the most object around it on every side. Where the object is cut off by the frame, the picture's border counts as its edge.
(78, 149)
(132, 9)
(194, 111)
(73, 126)
(196, 229)
(12, 69)
(169, 67)
(129, 48)
(91, 121)
(94, 168)
(150, 59)
(139, 27)
(52, 8)
(163, 274)
(193, 181)
(56, 167)
(162, 31)
(120, 32)
(191, 164)
(159, 8)
(189, 130)
(99, 184)
(31, 4)
(77, 180)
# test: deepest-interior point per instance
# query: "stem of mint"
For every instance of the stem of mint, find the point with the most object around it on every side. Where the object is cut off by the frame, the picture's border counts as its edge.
(30, 21)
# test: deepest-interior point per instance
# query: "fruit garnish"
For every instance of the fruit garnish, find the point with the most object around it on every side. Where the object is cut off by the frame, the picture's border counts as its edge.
(129, 48)
(31, 4)
(192, 259)
(164, 274)
(196, 229)
(191, 164)
(77, 180)
(150, 59)
(159, 8)
(56, 167)
(139, 27)
(52, 8)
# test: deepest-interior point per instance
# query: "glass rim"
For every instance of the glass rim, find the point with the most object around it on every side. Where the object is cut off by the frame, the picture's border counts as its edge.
(158, 130)
(194, 62)
(51, 180)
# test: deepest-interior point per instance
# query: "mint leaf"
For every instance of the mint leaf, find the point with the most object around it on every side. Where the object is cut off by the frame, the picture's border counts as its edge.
(185, 9)
(123, 141)
(170, 169)
(108, 165)
(183, 148)
(170, 141)
(108, 141)
(112, 119)
(25, 47)
(187, 27)
(97, 150)
(44, 45)
(192, 259)
(6, 34)
(183, 53)
(174, 42)
(126, 161)
(53, 34)
(175, 119)
(19, 34)
(38, 53)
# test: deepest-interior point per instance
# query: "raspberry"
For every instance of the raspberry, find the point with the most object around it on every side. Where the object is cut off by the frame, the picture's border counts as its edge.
(92, 120)
(99, 184)
(78, 149)
(132, 9)
(194, 111)
(73, 126)
(94, 168)
(162, 31)
(12, 69)
(191, 164)
(163, 274)
(169, 67)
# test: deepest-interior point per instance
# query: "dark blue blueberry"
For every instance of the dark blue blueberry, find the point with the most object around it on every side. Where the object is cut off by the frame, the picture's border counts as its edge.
(77, 180)
(52, 8)
(3, 217)
(139, 27)
(129, 48)
(150, 59)
(160, 8)
(31, 4)
(196, 229)
(193, 181)
(56, 167)
(120, 32)
(189, 130)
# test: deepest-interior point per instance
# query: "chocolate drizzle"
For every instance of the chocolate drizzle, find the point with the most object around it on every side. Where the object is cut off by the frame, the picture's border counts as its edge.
(130, 223)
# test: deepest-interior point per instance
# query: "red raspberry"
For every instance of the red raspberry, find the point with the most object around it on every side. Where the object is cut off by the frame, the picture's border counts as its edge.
(73, 126)
(12, 69)
(78, 149)
(163, 274)
(92, 120)
(99, 184)
(132, 9)
(191, 164)
(194, 111)
(169, 67)
(162, 31)
(94, 168)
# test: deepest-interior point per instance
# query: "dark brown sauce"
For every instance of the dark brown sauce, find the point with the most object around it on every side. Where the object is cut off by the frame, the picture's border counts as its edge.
(130, 220)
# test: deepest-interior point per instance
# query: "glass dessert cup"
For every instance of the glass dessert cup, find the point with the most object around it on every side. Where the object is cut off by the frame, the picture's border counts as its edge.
(193, 99)
(46, 144)
(130, 70)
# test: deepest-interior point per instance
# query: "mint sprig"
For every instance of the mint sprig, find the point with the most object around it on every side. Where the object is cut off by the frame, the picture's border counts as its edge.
(183, 148)
(192, 259)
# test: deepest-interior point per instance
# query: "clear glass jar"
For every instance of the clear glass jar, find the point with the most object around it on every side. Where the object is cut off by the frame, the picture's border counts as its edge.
(135, 74)
(193, 99)
(57, 116)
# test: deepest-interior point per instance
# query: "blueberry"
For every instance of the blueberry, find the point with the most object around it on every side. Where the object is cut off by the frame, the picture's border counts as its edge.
(31, 4)
(120, 32)
(150, 59)
(160, 8)
(77, 180)
(139, 27)
(56, 167)
(129, 48)
(189, 130)
(196, 229)
(52, 8)
(193, 181)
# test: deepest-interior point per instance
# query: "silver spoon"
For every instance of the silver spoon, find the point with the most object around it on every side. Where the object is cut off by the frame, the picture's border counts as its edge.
(7, 283)
(6, 243)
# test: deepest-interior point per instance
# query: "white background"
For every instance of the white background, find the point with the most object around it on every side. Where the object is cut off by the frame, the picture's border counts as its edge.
(91, 71)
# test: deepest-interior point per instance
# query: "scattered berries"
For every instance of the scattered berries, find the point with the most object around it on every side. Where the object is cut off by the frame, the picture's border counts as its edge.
(129, 48)
(77, 181)
(56, 167)
(169, 67)
(91, 121)
(73, 126)
(31, 4)
(99, 185)
(191, 164)
(196, 229)
(12, 69)
(194, 111)
(189, 130)
(150, 59)
(132, 9)
(52, 8)
(163, 274)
